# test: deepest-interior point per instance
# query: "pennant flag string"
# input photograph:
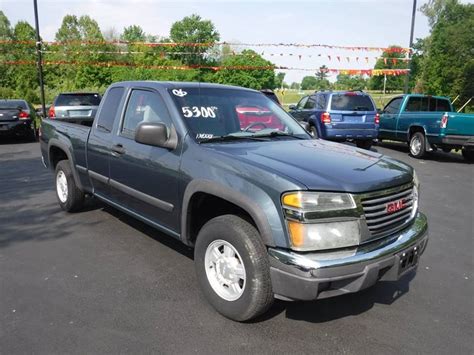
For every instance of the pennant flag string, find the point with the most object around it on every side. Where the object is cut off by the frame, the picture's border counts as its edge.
(210, 44)
(368, 72)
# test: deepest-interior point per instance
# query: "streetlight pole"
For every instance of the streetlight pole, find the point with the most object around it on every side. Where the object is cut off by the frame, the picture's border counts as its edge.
(412, 30)
(39, 58)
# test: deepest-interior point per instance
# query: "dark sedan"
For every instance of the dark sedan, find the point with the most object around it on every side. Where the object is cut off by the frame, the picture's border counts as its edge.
(17, 117)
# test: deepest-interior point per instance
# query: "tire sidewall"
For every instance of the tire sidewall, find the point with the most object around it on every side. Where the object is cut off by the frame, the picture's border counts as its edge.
(65, 168)
(314, 131)
(254, 272)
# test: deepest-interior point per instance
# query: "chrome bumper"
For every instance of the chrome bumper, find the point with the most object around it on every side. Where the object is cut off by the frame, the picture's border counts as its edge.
(307, 276)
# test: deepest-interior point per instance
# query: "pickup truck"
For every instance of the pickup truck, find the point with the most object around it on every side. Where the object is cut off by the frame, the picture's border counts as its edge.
(427, 123)
(270, 213)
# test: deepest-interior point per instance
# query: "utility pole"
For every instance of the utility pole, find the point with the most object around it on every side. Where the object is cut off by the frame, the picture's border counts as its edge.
(412, 30)
(39, 58)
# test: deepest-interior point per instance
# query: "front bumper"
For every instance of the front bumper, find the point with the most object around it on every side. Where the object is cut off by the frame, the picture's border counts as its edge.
(309, 276)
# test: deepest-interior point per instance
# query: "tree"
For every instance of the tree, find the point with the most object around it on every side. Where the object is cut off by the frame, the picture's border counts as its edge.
(279, 77)
(309, 83)
(350, 82)
(5, 49)
(322, 73)
(193, 29)
(133, 33)
(433, 8)
(391, 59)
(295, 86)
(448, 60)
(254, 79)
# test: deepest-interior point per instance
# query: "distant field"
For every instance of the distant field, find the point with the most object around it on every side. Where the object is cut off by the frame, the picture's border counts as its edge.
(290, 97)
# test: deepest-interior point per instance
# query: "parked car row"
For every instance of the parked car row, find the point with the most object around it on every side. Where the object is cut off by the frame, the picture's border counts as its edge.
(425, 122)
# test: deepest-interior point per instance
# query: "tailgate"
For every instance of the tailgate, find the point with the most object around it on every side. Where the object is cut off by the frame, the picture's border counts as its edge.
(460, 124)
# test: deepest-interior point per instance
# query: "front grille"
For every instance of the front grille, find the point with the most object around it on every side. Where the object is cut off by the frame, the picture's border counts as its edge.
(379, 221)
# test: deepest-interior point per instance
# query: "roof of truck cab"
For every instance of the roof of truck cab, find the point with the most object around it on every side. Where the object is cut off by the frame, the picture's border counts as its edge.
(179, 84)
(424, 95)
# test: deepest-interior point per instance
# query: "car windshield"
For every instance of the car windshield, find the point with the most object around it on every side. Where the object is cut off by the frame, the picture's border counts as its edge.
(214, 113)
(78, 100)
(13, 104)
(351, 102)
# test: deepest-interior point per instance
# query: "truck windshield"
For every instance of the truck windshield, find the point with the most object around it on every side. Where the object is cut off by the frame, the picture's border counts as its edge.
(214, 113)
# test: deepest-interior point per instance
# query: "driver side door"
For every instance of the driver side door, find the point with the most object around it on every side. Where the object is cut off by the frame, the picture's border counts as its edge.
(144, 178)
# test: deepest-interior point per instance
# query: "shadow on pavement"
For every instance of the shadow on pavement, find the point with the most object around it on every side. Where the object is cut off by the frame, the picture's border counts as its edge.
(438, 156)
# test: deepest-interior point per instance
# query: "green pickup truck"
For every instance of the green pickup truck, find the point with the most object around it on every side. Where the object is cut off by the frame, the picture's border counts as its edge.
(427, 123)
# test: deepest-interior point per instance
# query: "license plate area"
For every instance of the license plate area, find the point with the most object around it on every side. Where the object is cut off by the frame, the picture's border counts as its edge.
(408, 259)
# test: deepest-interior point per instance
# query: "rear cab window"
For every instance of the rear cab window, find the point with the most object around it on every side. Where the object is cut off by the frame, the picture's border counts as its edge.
(109, 109)
(351, 102)
(79, 99)
(427, 104)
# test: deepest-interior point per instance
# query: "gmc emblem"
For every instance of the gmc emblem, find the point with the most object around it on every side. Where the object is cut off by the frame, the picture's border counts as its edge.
(395, 206)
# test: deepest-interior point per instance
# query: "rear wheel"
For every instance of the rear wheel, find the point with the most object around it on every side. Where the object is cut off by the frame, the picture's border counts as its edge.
(70, 197)
(364, 144)
(313, 131)
(232, 268)
(468, 154)
(417, 145)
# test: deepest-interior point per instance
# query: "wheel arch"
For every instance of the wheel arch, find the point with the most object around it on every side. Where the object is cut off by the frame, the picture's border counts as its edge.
(228, 200)
(57, 151)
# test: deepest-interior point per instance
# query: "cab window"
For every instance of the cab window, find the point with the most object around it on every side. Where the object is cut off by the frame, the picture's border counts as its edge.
(143, 106)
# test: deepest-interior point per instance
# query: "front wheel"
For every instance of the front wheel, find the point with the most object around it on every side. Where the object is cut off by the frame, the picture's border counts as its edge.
(232, 268)
(417, 145)
(70, 197)
(468, 155)
(364, 144)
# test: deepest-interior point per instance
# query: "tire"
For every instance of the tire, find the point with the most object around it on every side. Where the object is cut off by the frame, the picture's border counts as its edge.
(70, 197)
(249, 291)
(364, 144)
(468, 155)
(313, 131)
(417, 145)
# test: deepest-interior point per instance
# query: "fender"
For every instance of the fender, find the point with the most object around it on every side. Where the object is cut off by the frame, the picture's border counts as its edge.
(213, 188)
(54, 142)
(428, 146)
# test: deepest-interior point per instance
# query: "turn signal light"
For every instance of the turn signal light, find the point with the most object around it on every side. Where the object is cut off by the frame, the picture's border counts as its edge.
(325, 117)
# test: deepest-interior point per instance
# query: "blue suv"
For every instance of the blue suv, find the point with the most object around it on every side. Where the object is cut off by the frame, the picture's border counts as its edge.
(340, 116)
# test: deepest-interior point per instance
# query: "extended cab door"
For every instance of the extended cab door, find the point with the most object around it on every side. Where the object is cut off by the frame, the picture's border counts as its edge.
(144, 178)
(100, 141)
(389, 118)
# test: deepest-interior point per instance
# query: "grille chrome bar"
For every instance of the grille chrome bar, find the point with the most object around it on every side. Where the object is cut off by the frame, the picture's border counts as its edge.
(379, 221)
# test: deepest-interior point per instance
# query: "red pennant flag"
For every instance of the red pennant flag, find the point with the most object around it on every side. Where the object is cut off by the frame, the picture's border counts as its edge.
(348, 59)
(394, 60)
(366, 59)
(329, 57)
(385, 60)
(299, 56)
(338, 58)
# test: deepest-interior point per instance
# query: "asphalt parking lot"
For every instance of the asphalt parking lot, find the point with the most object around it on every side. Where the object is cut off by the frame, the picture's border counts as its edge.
(101, 282)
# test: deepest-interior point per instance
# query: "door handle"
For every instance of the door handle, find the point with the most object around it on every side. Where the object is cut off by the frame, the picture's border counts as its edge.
(118, 149)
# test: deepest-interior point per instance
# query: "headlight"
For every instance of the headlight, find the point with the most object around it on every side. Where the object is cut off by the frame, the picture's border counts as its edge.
(318, 201)
(321, 236)
(304, 210)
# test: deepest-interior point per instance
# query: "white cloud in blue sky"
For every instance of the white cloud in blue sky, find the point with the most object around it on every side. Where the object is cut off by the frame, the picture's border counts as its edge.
(335, 22)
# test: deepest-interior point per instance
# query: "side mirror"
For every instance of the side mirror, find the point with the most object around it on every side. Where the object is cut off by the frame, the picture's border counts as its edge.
(292, 107)
(156, 134)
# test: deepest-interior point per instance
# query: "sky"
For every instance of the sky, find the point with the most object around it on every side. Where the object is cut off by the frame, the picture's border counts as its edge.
(364, 23)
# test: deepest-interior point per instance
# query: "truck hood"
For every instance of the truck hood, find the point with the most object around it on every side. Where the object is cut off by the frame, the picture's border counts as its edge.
(321, 165)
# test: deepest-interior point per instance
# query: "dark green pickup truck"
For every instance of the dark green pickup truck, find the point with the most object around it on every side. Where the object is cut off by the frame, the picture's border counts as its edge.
(427, 123)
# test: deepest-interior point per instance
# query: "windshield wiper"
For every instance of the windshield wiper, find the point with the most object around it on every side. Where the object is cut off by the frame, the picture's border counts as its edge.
(278, 134)
(228, 138)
